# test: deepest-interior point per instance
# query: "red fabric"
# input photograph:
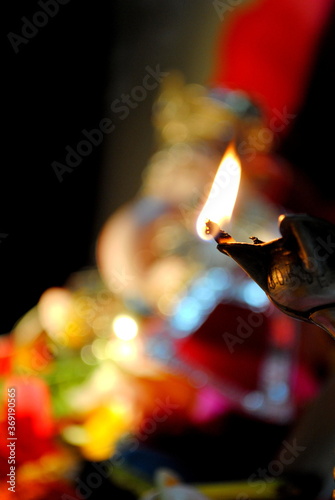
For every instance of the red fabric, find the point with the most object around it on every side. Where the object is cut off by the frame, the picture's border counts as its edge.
(6, 354)
(219, 347)
(231, 347)
(267, 48)
(35, 428)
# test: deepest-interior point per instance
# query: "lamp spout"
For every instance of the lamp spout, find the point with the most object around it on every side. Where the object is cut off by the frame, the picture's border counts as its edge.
(253, 259)
(296, 271)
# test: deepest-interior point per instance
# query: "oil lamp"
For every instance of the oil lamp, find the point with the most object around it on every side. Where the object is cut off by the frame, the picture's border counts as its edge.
(296, 271)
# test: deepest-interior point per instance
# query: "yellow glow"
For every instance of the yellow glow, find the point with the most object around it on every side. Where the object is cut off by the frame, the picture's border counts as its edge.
(125, 327)
(99, 348)
(53, 309)
(221, 199)
(102, 439)
(122, 351)
(75, 434)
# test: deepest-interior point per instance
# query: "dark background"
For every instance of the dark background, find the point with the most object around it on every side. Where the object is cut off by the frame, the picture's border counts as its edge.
(54, 87)
(62, 81)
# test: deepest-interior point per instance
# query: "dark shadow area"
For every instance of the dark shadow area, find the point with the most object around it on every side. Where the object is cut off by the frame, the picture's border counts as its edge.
(54, 88)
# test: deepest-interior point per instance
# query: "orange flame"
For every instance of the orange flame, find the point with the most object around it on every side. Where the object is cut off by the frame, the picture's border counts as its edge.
(221, 199)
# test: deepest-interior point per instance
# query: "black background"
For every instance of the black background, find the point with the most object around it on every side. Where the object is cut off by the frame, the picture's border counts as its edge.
(54, 87)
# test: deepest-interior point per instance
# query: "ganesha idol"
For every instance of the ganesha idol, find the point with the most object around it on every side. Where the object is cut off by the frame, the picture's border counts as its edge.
(210, 322)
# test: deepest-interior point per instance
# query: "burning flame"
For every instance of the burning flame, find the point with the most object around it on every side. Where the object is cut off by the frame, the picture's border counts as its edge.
(221, 199)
